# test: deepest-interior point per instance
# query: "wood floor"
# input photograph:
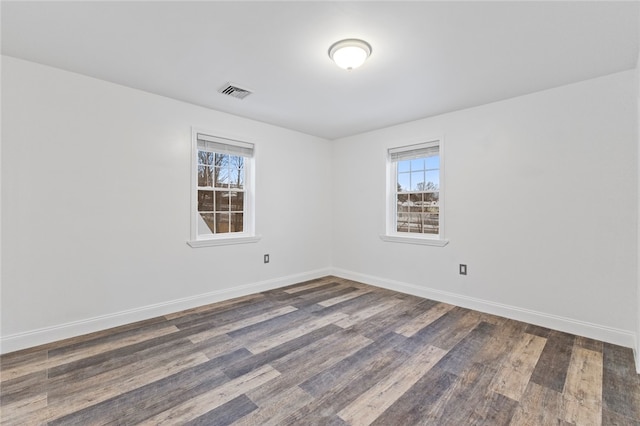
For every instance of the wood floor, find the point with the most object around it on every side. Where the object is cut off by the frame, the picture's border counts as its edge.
(323, 352)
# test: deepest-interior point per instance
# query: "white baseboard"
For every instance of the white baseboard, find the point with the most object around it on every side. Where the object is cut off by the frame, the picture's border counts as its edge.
(41, 336)
(568, 325)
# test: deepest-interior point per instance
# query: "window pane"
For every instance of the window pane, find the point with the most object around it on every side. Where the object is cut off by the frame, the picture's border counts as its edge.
(417, 164)
(222, 223)
(205, 176)
(415, 222)
(221, 177)
(403, 222)
(236, 178)
(415, 202)
(404, 181)
(221, 160)
(431, 223)
(404, 166)
(432, 209)
(417, 181)
(241, 180)
(202, 175)
(237, 201)
(433, 162)
(403, 203)
(209, 222)
(431, 199)
(205, 157)
(222, 201)
(205, 201)
(236, 224)
(432, 181)
(221, 181)
(417, 189)
(236, 162)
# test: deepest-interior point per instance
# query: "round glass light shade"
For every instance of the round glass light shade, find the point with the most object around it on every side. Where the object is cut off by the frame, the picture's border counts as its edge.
(350, 53)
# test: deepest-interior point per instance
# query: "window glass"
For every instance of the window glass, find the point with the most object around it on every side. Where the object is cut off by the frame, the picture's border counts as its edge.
(415, 174)
(222, 202)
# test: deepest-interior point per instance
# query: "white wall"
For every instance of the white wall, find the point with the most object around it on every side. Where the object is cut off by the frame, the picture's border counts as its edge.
(541, 203)
(96, 196)
(541, 199)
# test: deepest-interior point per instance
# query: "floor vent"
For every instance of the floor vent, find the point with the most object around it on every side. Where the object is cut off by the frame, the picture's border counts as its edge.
(233, 90)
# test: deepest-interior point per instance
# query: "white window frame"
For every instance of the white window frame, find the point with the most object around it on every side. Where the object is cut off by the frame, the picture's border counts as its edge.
(391, 233)
(248, 229)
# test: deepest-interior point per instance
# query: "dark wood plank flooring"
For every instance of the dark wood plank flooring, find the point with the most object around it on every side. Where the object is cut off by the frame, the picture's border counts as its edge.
(324, 352)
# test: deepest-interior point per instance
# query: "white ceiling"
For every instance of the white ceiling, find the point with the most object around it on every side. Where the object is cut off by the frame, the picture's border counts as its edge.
(428, 57)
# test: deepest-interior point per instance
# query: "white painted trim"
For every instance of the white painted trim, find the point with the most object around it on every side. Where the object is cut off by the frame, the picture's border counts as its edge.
(44, 335)
(581, 328)
(224, 241)
(414, 240)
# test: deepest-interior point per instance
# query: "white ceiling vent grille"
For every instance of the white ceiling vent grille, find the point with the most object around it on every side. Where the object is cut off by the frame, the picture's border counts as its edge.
(235, 91)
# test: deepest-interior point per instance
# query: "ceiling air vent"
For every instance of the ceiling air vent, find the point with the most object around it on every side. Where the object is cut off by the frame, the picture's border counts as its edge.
(234, 91)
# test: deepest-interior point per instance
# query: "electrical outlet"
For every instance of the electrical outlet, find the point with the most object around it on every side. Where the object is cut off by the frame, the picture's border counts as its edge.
(266, 258)
(463, 269)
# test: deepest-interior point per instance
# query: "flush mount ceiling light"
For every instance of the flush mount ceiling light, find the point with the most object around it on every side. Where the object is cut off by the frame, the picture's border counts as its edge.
(349, 53)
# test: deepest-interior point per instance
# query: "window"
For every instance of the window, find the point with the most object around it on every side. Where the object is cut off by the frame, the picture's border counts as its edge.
(222, 199)
(414, 206)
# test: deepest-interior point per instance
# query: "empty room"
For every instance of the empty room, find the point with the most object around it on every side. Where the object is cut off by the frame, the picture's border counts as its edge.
(320, 213)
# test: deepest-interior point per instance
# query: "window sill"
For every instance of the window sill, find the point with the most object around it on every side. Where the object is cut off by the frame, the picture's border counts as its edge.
(224, 241)
(414, 240)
